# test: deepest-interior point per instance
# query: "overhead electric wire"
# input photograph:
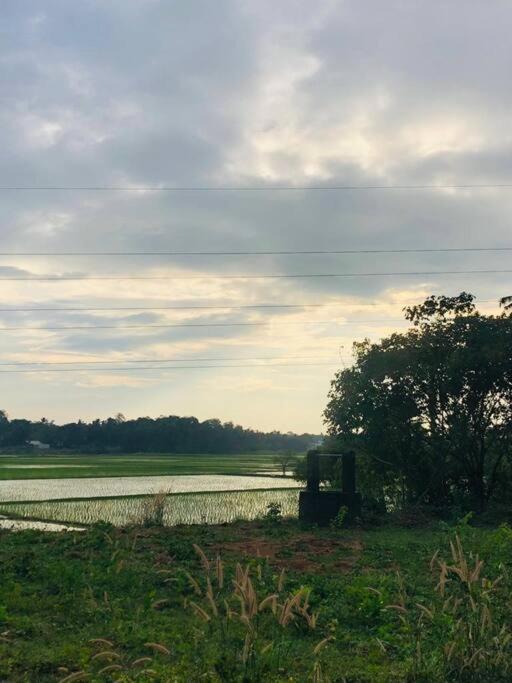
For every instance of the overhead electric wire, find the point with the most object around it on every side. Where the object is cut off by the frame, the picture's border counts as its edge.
(165, 360)
(252, 188)
(266, 276)
(175, 367)
(161, 308)
(230, 324)
(341, 304)
(285, 252)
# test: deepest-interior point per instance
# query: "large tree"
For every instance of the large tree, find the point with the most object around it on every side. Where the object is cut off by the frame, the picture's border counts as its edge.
(430, 410)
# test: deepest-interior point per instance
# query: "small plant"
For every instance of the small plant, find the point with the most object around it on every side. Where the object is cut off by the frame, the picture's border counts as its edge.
(274, 513)
(154, 508)
(339, 521)
(109, 662)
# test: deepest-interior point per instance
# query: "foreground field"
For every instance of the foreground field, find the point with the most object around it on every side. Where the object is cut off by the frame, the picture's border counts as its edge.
(303, 605)
(43, 466)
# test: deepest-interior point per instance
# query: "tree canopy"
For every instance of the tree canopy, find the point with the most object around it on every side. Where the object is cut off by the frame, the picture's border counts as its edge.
(429, 411)
(170, 434)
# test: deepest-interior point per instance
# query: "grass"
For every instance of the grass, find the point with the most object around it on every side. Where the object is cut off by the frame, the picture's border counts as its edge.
(261, 601)
(64, 466)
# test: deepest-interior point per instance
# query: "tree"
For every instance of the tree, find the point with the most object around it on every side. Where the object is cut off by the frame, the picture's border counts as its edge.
(285, 460)
(506, 302)
(430, 410)
(171, 434)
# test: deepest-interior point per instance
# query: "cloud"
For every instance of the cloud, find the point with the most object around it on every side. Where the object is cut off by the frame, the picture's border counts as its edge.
(148, 93)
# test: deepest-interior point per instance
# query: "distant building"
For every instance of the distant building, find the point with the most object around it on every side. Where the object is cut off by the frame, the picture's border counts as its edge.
(39, 445)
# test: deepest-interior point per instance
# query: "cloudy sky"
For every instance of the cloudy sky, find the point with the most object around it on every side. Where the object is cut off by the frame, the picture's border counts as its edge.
(238, 94)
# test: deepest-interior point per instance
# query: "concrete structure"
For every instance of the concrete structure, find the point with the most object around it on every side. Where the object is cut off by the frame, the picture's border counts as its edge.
(319, 506)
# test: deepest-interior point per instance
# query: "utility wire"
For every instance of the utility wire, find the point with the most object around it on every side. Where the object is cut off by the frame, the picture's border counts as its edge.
(305, 252)
(269, 276)
(175, 367)
(243, 324)
(251, 188)
(163, 308)
(163, 360)
(339, 304)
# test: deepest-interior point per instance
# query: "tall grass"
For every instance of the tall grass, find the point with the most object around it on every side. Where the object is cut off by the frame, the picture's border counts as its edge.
(251, 621)
(154, 509)
(465, 612)
(254, 627)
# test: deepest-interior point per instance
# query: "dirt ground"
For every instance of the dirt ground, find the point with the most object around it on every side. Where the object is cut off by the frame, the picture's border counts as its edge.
(303, 552)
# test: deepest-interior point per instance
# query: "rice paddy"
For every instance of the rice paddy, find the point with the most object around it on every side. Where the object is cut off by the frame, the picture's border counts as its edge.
(52, 466)
(197, 489)
(197, 508)
(111, 487)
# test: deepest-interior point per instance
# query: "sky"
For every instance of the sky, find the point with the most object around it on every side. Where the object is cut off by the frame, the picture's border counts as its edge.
(140, 94)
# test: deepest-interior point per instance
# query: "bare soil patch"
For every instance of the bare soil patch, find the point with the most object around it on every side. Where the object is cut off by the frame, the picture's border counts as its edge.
(304, 552)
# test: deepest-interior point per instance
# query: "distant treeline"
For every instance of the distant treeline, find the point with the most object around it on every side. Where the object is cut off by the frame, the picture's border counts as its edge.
(170, 434)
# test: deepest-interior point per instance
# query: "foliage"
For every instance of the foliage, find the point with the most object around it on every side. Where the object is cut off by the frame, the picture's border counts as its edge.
(340, 520)
(274, 513)
(429, 411)
(170, 434)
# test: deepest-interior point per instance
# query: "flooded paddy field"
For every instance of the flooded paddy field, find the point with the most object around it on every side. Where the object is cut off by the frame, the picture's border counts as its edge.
(197, 508)
(195, 489)
(109, 487)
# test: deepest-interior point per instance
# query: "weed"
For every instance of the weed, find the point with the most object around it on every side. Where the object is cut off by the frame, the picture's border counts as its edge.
(274, 513)
(339, 521)
(250, 620)
(154, 508)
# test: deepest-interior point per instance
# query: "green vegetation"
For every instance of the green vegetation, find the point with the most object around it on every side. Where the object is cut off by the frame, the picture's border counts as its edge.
(189, 508)
(166, 434)
(261, 601)
(139, 464)
(429, 411)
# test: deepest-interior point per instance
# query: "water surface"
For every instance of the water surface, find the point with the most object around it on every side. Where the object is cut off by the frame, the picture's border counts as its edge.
(104, 487)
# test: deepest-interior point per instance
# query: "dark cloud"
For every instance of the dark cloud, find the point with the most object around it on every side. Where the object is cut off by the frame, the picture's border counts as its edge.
(146, 92)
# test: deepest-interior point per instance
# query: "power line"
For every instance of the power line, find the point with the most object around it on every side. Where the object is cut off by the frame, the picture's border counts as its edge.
(216, 307)
(266, 276)
(164, 360)
(174, 367)
(233, 324)
(213, 307)
(304, 252)
(250, 188)
(163, 308)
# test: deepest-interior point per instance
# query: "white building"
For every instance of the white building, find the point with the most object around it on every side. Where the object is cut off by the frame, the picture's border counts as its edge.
(39, 445)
